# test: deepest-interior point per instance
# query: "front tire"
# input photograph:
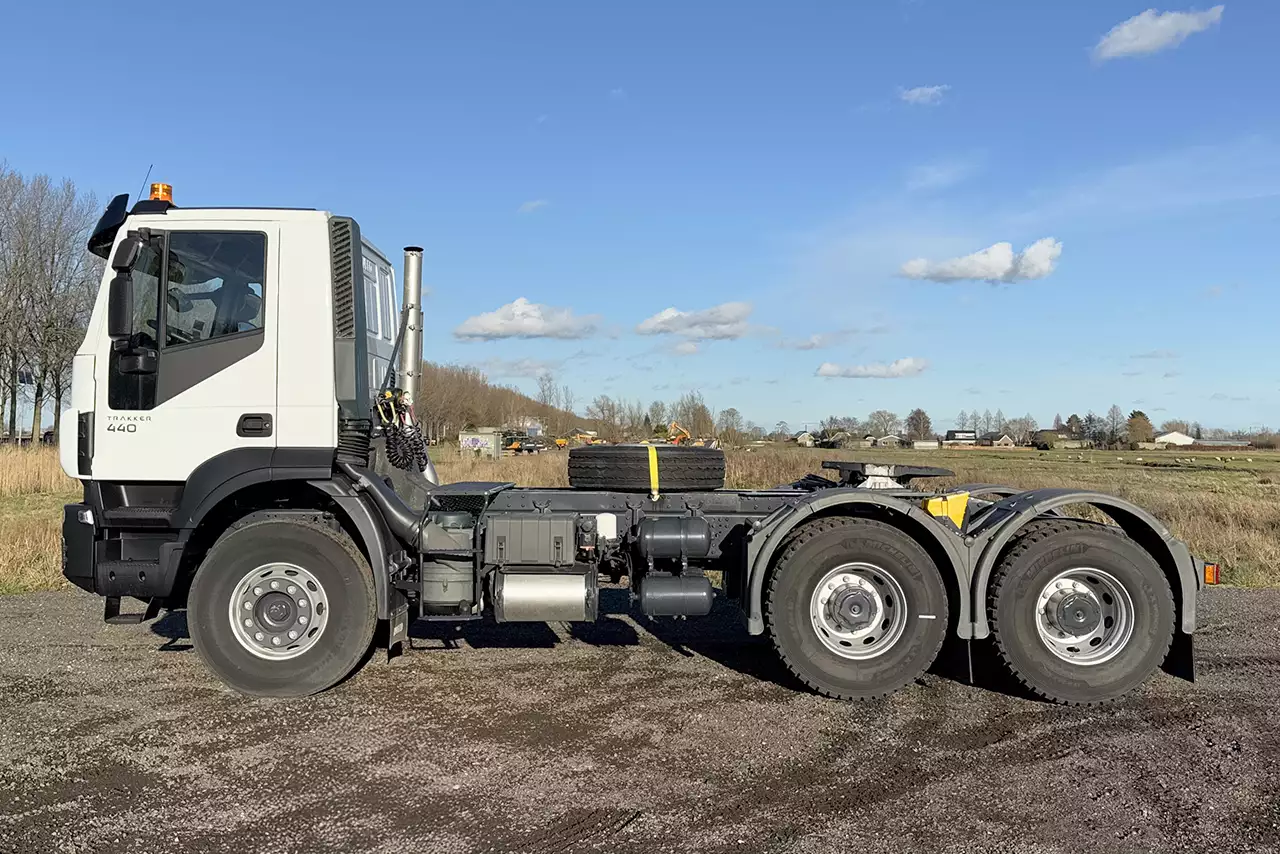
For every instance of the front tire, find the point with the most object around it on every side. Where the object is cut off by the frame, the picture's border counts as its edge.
(282, 607)
(1081, 613)
(856, 608)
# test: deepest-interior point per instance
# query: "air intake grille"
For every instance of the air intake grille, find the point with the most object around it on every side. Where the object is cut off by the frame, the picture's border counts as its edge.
(353, 441)
(344, 291)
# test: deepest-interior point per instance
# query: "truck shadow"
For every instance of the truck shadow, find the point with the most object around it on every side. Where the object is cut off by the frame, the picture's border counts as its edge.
(720, 637)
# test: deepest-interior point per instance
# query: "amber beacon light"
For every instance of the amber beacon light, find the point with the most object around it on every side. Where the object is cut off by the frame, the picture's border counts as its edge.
(162, 192)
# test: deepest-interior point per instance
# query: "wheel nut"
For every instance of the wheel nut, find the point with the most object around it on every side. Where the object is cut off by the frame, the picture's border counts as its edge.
(846, 579)
(303, 619)
(292, 634)
(275, 585)
(275, 641)
(257, 636)
(248, 606)
(292, 590)
(249, 623)
(257, 591)
(302, 603)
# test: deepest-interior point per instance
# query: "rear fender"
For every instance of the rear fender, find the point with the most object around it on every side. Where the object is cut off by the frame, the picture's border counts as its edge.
(1002, 521)
(772, 531)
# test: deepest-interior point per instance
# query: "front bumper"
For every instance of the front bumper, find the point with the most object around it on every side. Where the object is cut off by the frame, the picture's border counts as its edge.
(114, 563)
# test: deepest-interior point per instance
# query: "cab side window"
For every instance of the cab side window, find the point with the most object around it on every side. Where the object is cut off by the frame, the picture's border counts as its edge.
(214, 285)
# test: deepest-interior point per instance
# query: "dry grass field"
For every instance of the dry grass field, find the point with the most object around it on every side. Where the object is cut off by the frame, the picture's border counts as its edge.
(1225, 506)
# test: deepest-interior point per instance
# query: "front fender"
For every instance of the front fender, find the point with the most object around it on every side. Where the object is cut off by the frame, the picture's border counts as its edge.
(1002, 521)
(773, 529)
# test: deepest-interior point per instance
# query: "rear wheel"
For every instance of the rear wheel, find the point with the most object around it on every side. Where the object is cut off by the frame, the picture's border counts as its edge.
(856, 608)
(1081, 613)
(282, 607)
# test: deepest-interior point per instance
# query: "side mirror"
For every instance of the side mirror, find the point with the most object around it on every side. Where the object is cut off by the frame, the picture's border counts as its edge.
(120, 305)
(120, 296)
(127, 253)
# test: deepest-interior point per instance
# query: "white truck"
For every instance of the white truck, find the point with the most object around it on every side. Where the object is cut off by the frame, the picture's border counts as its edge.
(231, 435)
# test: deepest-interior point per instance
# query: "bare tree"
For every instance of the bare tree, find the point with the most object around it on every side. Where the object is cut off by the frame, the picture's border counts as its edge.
(882, 422)
(1115, 424)
(730, 427)
(47, 283)
(919, 426)
(658, 414)
(962, 420)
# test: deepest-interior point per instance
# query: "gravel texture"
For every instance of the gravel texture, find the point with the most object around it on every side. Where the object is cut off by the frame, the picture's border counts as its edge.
(626, 735)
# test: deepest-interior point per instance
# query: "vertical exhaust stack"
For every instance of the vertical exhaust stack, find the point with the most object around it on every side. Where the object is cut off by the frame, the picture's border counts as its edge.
(410, 367)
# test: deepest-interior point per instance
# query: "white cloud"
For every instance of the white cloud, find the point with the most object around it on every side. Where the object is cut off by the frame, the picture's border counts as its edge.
(685, 348)
(724, 321)
(907, 367)
(1153, 31)
(530, 207)
(524, 319)
(997, 263)
(1156, 354)
(512, 368)
(927, 95)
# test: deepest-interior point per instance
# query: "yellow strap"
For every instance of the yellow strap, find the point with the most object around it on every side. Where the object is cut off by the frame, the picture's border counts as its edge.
(653, 470)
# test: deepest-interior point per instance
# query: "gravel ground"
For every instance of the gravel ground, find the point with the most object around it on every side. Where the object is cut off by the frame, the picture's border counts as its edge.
(622, 736)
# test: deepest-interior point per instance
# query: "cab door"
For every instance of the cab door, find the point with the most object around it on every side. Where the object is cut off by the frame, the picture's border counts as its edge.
(205, 301)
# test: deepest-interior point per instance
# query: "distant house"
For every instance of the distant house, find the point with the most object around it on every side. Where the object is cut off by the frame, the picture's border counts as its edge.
(961, 437)
(996, 440)
(1175, 438)
(925, 444)
(890, 441)
(804, 439)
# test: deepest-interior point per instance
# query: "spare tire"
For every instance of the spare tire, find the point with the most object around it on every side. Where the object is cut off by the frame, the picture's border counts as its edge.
(625, 468)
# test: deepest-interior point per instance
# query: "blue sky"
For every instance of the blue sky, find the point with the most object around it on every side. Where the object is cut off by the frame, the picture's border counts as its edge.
(802, 183)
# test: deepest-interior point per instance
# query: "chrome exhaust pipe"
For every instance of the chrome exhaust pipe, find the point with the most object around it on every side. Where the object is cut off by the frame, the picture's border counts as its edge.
(410, 367)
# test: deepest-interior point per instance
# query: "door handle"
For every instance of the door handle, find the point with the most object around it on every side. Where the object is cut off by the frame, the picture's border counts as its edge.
(255, 424)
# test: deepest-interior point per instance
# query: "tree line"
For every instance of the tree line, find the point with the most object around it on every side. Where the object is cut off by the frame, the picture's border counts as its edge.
(48, 280)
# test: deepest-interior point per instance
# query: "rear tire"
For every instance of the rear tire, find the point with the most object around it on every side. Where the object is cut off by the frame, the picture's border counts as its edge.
(625, 468)
(856, 608)
(1125, 607)
(248, 575)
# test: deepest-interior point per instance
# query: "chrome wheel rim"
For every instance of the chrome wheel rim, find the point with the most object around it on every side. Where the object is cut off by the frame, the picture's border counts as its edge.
(1084, 616)
(858, 611)
(278, 611)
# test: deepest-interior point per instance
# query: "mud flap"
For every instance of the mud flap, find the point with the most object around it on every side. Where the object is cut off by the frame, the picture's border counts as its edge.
(1181, 660)
(397, 627)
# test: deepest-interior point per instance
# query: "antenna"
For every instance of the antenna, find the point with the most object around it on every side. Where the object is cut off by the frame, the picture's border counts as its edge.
(143, 188)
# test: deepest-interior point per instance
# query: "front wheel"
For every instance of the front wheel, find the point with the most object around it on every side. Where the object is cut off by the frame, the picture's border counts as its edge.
(856, 608)
(282, 607)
